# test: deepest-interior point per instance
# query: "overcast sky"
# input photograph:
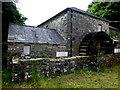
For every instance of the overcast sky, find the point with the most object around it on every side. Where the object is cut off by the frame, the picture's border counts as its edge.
(38, 11)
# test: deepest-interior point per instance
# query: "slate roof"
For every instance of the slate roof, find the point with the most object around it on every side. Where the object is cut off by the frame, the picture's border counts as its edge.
(30, 34)
(76, 10)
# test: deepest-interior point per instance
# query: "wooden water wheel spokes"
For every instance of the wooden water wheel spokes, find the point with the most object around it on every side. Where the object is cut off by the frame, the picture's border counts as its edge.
(94, 47)
(95, 43)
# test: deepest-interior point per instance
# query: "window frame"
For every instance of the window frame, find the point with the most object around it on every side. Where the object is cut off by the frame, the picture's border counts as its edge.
(99, 27)
(28, 48)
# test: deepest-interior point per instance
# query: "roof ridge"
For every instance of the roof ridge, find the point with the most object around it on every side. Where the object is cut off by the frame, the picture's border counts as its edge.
(77, 10)
(82, 11)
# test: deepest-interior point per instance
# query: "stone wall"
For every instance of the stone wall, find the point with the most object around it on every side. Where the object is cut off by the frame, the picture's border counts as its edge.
(61, 23)
(25, 69)
(73, 26)
(36, 50)
(82, 25)
(78, 62)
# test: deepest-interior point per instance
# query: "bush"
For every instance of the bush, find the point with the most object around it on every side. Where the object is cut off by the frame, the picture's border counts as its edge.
(101, 53)
(6, 77)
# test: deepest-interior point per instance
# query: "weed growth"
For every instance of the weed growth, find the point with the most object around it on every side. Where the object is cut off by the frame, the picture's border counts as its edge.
(43, 54)
(6, 77)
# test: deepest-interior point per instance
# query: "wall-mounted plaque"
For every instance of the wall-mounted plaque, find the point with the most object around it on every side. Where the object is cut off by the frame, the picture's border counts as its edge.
(61, 54)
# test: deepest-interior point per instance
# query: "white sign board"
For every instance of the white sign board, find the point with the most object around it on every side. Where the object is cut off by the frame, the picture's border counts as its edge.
(61, 54)
(116, 50)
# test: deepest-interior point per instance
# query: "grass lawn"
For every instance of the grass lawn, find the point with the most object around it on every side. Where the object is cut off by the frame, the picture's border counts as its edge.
(108, 78)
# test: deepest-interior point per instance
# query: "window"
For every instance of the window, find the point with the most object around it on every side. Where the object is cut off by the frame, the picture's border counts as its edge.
(106, 31)
(99, 27)
(73, 38)
(46, 26)
(26, 50)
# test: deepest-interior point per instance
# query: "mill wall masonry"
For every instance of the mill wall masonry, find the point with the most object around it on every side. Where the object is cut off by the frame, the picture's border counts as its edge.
(73, 25)
(36, 50)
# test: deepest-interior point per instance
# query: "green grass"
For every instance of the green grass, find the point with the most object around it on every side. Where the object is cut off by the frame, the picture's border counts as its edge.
(107, 78)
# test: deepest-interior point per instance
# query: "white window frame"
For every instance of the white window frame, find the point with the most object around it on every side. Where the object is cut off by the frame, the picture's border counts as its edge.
(99, 28)
(26, 50)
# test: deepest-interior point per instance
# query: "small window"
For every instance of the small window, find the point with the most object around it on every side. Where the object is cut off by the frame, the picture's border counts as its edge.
(99, 27)
(46, 26)
(73, 38)
(106, 31)
(26, 50)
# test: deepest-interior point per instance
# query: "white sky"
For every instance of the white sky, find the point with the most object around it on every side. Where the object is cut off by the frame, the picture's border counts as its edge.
(38, 11)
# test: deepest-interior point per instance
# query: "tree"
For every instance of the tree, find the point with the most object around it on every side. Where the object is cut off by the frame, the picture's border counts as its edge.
(10, 14)
(107, 10)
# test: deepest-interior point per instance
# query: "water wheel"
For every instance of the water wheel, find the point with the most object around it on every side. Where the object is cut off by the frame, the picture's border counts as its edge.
(96, 42)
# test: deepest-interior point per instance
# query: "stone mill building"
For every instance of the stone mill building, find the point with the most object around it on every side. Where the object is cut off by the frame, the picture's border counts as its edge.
(72, 31)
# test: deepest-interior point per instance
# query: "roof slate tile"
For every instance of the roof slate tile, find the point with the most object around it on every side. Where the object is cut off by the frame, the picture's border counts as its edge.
(29, 34)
